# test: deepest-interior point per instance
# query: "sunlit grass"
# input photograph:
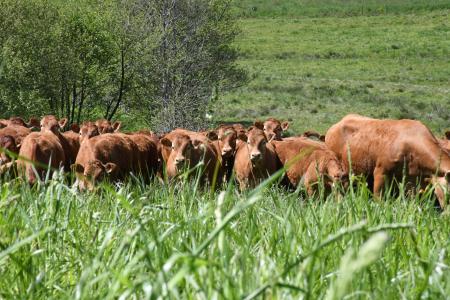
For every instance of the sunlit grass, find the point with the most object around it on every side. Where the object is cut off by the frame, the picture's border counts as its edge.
(181, 241)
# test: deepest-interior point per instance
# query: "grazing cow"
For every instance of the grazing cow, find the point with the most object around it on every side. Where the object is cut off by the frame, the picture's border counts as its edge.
(47, 147)
(309, 162)
(113, 156)
(384, 149)
(105, 126)
(255, 159)
(273, 128)
(184, 151)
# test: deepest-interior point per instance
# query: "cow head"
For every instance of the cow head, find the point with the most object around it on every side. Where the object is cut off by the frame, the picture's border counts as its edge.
(185, 152)
(7, 142)
(335, 174)
(33, 124)
(182, 150)
(272, 128)
(88, 130)
(52, 124)
(93, 172)
(105, 126)
(256, 143)
(17, 121)
(75, 128)
(227, 137)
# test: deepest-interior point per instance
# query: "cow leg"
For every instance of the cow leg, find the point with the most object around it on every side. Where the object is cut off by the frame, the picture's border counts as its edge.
(378, 182)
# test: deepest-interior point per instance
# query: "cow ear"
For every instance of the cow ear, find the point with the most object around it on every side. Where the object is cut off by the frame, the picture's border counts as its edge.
(242, 136)
(62, 123)
(77, 168)
(212, 135)
(2, 124)
(447, 134)
(285, 125)
(259, 125)
(116, 126)
(111, 168)
(75, 128)
(166, 142)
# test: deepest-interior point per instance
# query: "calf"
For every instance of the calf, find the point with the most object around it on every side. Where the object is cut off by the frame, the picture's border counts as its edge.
(184, 151)
(309, 162)
(255, 159)
(384, 149)
(49, 147)
(113, 156)
(273, 128)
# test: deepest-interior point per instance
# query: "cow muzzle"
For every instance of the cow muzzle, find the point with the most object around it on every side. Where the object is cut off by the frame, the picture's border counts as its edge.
(180, 161)
(255, 157)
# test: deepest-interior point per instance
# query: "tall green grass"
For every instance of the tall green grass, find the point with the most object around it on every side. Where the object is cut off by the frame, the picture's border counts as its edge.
(132, 240)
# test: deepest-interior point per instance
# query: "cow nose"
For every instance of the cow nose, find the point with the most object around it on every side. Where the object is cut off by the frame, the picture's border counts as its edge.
(179, 160)
(255, 156)
(226, 151)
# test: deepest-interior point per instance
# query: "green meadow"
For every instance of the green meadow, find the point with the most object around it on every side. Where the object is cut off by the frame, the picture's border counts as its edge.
(309, 62)
(313, 71)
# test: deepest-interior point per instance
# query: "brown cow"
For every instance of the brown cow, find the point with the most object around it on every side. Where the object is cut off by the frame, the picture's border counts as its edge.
(273, 128)
(184, 151)
(113, 156)
(309, 162)
(7, 143)
(47, 147)
(226, 145)
(105, 126)
(255, 159)
(384, 148)
(32, 123)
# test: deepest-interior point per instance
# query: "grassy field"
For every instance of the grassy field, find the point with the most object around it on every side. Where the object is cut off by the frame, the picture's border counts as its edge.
(313, 71)
(140, 241)
(310, 63)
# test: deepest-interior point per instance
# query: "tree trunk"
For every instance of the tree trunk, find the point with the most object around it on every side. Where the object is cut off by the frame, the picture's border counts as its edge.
(121, 85)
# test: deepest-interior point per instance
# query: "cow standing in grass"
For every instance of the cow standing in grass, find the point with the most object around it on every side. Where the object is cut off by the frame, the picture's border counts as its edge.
(390, 149)
(184, 150)
(309, 162)
(255, 159)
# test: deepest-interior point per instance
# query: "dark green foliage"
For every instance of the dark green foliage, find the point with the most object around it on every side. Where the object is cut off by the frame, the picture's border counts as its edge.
(139, 60)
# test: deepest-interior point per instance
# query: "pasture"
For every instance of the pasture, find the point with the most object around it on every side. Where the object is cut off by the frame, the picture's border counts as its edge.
(133, 240)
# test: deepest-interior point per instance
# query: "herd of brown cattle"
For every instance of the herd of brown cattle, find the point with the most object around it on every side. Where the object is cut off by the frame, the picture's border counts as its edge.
(381, 150)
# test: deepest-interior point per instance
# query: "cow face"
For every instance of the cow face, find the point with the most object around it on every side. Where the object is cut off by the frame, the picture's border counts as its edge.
(105, 126)
(93, 172)
(7, 143)
(52, 124)
(227, 141)
(335, 174)
(256, 144)
(88, 130)
(272, 128)
(182, 149)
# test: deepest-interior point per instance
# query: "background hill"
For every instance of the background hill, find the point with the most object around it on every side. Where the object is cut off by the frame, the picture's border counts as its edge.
(312, 62)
